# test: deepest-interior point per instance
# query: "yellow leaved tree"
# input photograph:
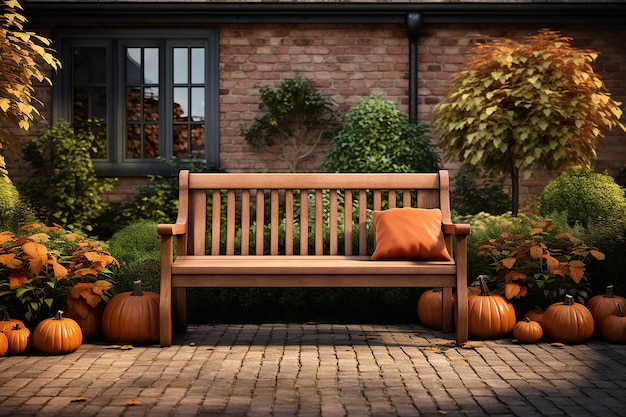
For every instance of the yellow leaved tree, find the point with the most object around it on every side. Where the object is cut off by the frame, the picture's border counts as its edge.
(526, 106)
(24, 55)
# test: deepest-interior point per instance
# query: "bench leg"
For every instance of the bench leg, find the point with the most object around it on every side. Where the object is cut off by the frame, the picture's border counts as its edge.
(165, 317)
(462, 318)
(446, 314)
(181, 309)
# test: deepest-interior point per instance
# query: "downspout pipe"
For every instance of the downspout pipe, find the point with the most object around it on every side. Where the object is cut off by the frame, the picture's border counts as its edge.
(413, 25)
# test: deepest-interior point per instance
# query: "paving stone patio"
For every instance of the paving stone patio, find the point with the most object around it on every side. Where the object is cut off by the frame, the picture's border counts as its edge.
(319, 370)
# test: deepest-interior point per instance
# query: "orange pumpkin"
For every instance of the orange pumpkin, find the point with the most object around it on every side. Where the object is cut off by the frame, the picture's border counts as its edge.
(89, 319)
(527, 331)
(19, 338)
(604, 305)
(535, 314)
(6, 322)
(4, 344)
(430, 308)
(132, 317)
(57, 335)
(491, 316)
(568, 321)
(613, 328)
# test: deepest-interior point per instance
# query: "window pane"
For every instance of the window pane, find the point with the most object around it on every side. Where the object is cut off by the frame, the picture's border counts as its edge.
(151, 104)
(197, 65)
(197, 104)
(133, 66)
(151, 141)
(181, 66)
(133, 104)
(151, 66)
(181, 103)
(180, 133)
(197, 139)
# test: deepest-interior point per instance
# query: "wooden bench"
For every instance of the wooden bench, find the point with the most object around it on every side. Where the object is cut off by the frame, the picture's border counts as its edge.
(305, 206)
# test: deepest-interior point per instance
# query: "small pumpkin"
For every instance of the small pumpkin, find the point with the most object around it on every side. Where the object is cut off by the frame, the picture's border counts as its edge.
(430, 308)
(604, 305)
(132, 317)
(19, 338)
(527, 331)
(4, 344)
(57, 335)
(568, 321)
(6, 322)
(613, 328)
(535, 314)
(491, 316)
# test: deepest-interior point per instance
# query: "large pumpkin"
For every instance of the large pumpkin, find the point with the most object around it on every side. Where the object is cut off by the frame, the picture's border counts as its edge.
(19, 338)
(430, 308)
(132, 317)
(568, 321)
(491, 316)
(89, 319)
(57, 335)
(613, 328)
(604, 305)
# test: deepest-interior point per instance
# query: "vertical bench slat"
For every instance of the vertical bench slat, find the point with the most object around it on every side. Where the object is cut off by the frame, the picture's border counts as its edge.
(231, 209)
(260, 220)
(392, 199)
(274, 210)
(304, 222)
(347, 222)
(245, 222)
(319, 223)
(216, 215)
(406, 198)
(362, 222)
(333, 222)
(377, 200)
(289, 222)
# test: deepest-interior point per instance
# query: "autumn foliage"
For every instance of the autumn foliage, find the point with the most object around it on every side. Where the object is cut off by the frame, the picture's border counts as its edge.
(41, 267)
(542, 263)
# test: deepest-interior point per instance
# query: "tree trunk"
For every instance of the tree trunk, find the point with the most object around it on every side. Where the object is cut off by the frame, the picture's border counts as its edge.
(514, 190)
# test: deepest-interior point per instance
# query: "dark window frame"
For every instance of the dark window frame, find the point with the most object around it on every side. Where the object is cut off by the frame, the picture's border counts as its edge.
(114, 40)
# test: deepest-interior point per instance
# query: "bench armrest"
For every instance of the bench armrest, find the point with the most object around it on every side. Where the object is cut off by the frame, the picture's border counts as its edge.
(456, 229)
(172, 229)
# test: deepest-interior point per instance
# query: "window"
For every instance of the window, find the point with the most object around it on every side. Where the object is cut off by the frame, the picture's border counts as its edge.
(153, 94)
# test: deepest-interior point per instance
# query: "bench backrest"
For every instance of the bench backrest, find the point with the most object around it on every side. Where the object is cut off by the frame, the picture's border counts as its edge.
(300, 212)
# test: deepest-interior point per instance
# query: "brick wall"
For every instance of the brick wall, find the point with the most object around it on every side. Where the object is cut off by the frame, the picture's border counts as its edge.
(351, 61)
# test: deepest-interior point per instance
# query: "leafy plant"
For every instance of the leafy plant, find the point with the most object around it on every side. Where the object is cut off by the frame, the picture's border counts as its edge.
(543, 264)
(63, 186)
(298, 119)
(22, 54)
(377, 137)
(527, 106)
(39, 268)
(584, 195)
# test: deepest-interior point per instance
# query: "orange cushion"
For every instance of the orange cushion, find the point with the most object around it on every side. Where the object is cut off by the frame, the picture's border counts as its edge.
(409, 233)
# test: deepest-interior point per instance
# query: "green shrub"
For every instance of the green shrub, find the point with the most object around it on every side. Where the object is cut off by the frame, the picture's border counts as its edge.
(137, 249)
(586, 195)
(14, 212)
(63, 187)
(377, 137)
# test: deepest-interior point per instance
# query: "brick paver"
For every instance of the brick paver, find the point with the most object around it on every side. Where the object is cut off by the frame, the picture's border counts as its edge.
(324, 370)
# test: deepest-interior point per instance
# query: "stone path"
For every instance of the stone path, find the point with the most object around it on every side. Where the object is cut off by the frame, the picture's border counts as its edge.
(322, 370)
